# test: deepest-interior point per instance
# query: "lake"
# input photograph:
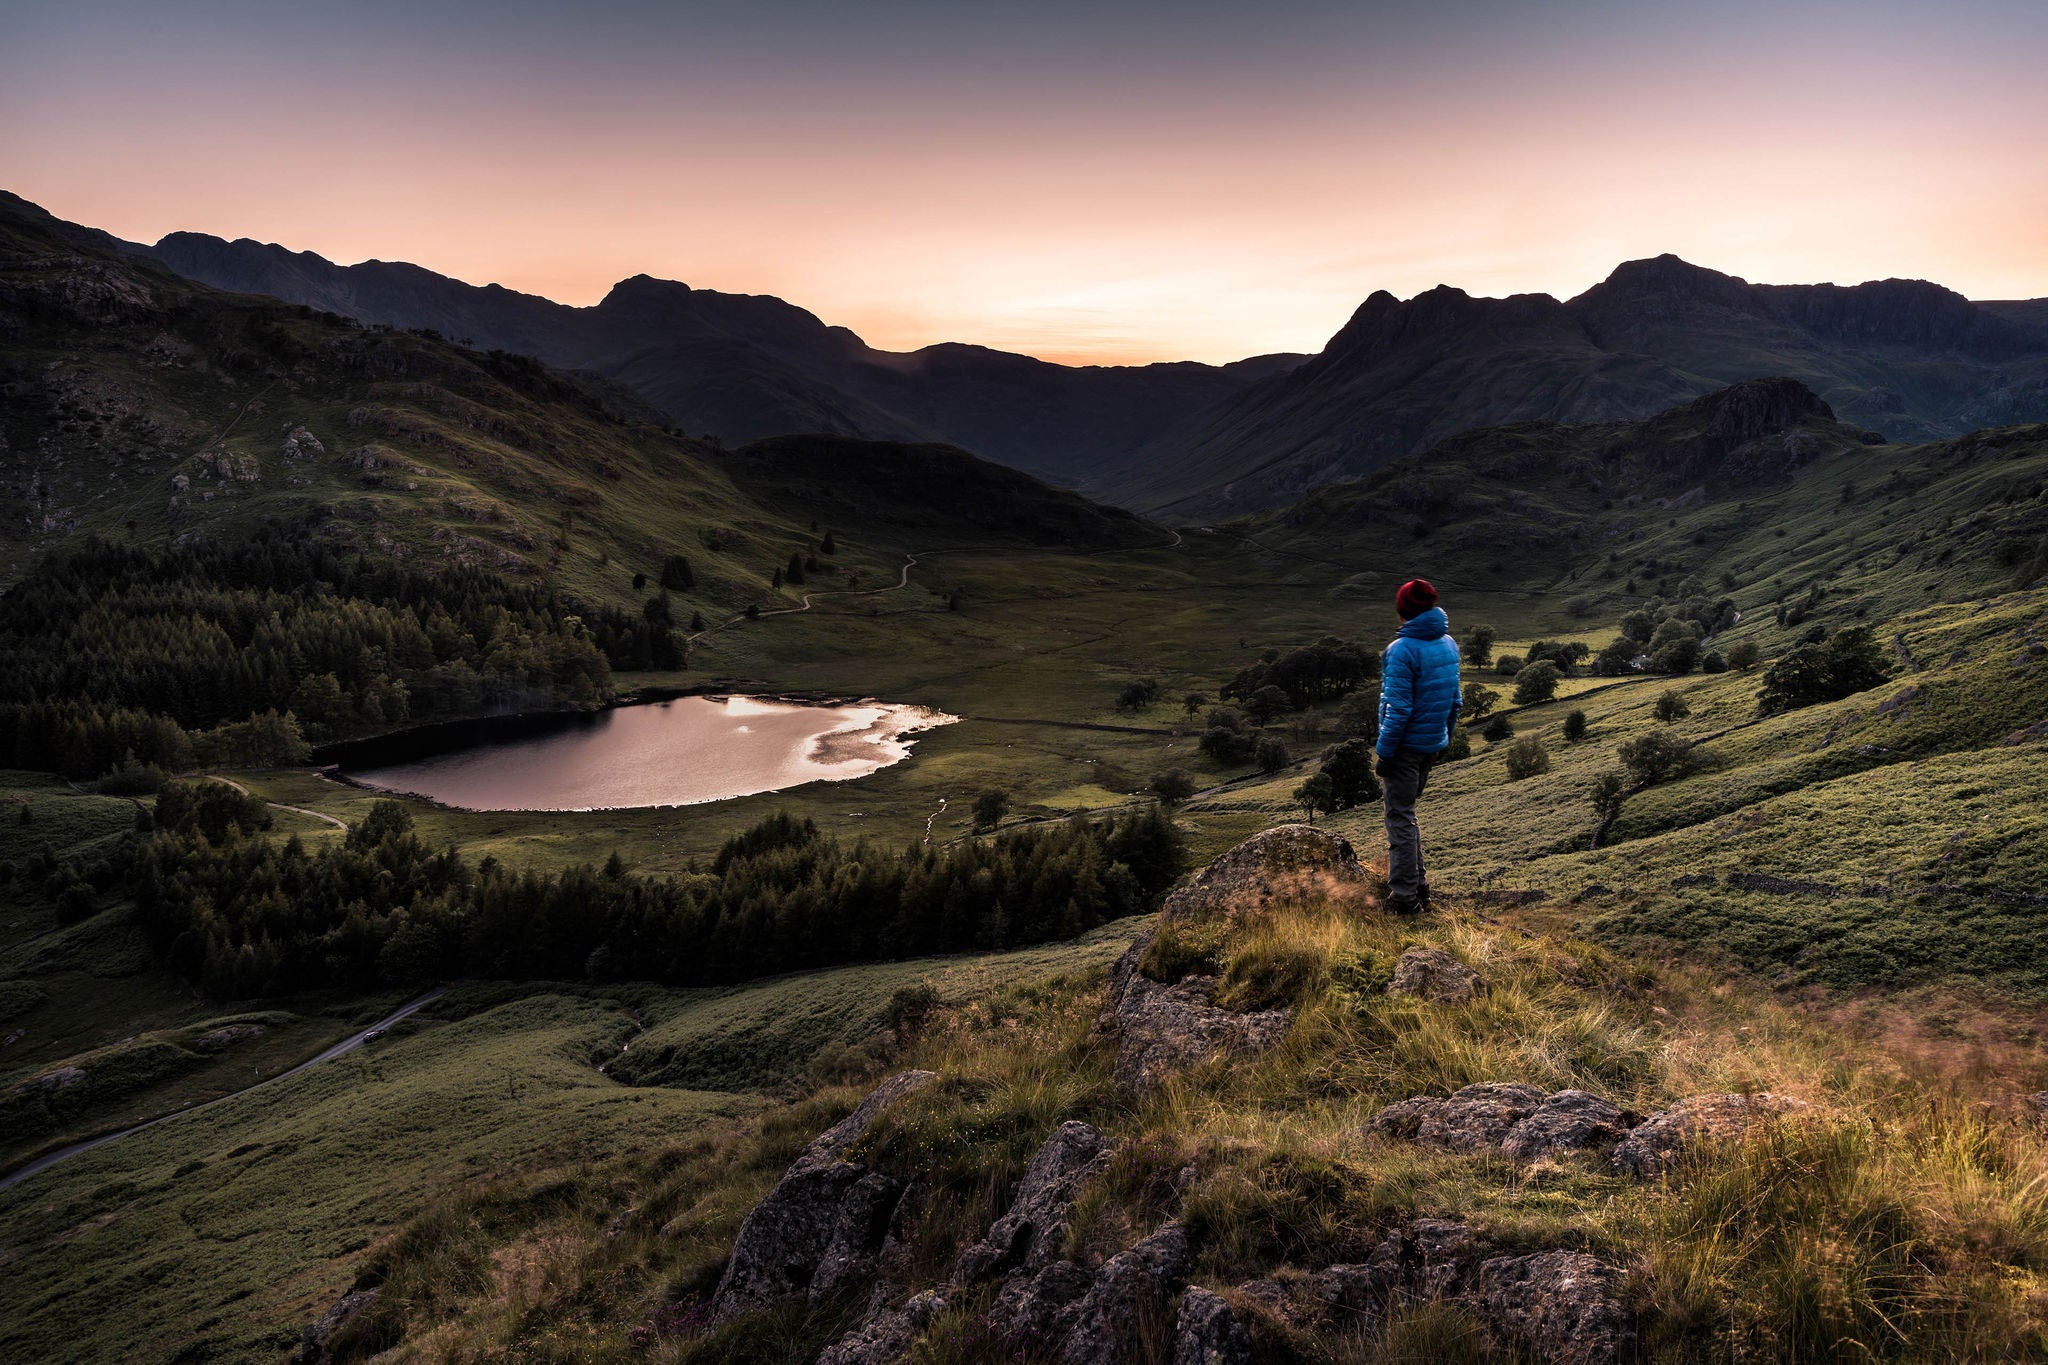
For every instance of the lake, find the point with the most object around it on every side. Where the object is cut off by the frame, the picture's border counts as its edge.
(665, 753)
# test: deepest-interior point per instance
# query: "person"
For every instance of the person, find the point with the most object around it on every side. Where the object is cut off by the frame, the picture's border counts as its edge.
(1420, 696)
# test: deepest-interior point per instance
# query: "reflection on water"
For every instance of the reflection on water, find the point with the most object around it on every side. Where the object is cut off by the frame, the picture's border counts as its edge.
(670, 753)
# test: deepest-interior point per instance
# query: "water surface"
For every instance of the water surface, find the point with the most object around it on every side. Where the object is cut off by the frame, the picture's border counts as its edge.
(669, 753)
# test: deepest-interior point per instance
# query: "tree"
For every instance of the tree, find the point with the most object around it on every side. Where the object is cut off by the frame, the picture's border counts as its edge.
(1536, 683)
(676, 575)
(1713, 662)
(1172, 787)
(1744, 655)
(1479, 702)
(1672, 707)
(1348, 767)
(696, 623)
(1849, 662)
(1608, 791)
(828, 546)
(1270, 755)
(795, 572)
(1266, 703)
(1137, 695)
(753, 611)
(1617, 658)
(989, 809)
(1497, 730)
(1360, 714)
(1507, 665)
(1193, 702)
(1478, 646)
(639, 582)
(1575, 727)
(775, 579)
(1315, 795)
(1527, 758)
(1656, 757)
(1226, 747)
(1638, 626)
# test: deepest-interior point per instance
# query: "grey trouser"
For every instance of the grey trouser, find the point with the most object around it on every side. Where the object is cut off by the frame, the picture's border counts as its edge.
(1404, 776)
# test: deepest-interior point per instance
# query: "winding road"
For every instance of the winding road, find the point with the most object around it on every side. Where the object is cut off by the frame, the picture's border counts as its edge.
(346, 1045)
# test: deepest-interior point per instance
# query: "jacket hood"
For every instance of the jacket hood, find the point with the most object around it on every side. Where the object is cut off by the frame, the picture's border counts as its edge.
(1430, 625)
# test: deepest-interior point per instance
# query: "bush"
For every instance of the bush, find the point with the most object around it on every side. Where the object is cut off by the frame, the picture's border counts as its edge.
(1713, 663)
(1479, 701)
(1497, 730)
(1172, 787)
(1360, 713)
(1672, 707)
(1226, 747)
(1575, 727)
(1348, 768)
(1536, 683)
(989, 809)
(1270, 755)
(1508, 665)
(1137, 695)
(1527, 758)
(1608, 791)
(1459, 747)
(1745, 655)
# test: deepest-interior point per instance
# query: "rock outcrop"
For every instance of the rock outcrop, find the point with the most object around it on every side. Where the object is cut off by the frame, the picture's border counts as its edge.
(314, 1339)
(1514, 1120)
(1133, 1290)
(1282, 861)
(887, 1336)
(1564, 1306)
(1034, 1231)
(1433, 974)
(821, 1229)
(1207, 1332)
(1163, 1029)
(1652, 1147)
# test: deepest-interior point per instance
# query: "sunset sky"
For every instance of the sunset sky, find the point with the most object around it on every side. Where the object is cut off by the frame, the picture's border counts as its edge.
(1111, 180)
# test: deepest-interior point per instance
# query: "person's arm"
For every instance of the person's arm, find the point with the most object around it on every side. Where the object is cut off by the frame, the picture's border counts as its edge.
(1397, 701)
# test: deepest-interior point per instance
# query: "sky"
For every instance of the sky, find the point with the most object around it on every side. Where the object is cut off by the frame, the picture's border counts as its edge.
(1113, 181)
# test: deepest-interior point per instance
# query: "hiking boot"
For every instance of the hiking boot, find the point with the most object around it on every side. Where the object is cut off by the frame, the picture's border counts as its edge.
(1422, 899)
(1404, 905)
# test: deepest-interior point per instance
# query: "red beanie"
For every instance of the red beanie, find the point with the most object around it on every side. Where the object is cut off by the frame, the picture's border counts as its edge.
(1416, 596)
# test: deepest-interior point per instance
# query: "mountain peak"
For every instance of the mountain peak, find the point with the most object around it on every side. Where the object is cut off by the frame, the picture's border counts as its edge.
(1665, 275)
(644, 294)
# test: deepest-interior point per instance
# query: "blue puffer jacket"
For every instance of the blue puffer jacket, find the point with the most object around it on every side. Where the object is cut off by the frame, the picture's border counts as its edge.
(1419, 691)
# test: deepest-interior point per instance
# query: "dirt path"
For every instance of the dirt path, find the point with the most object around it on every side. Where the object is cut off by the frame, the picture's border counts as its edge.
(346, 1045)
(279, 805)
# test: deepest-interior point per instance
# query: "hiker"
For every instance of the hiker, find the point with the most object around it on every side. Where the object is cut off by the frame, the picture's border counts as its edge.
(1419, 699)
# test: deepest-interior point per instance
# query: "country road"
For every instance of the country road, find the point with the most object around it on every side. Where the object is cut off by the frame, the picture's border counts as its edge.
(279, 805)
(346, 1045)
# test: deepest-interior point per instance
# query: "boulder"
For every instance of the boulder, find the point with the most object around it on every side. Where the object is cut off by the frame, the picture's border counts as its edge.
(1649, 1150)
(1282, 861)
(821, 1228)
(1134, 1289)
(1164, 1029)
(1563, 1306)
(1479, 1117)
(227, 1036)
(1433, 974)
(886, 1337)
(1569, 1121)
(1431, 1258)
(1207, 1332)
(1404, 1118)
(1034, 1231)
(314, 1338)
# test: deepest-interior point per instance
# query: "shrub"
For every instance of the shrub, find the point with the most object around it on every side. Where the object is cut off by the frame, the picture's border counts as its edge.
(1575, 727)
(1227, 748)
(1479, 701)
(1608, 791)
(1536, 683)
(1270, 755)
(1172, 787)
(1527, 758)
(1508, 665)
(1497, 730)
(1137, 695)
(1672, 707)
(1745, 655)
(989, 809)
(1713, 663)
(1348, 768)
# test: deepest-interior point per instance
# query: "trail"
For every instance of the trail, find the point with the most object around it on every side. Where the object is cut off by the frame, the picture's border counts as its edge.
(279, 805)
(933, 819)
(346, 1045)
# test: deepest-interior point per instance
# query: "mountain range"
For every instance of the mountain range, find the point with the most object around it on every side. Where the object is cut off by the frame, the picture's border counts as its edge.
(1187, 442)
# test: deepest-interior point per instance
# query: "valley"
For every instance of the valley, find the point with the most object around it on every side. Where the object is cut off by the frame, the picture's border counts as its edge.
(1755, 805)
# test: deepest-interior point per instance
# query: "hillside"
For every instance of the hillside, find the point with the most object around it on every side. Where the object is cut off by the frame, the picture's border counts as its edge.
(1907, 358)
(740, 367)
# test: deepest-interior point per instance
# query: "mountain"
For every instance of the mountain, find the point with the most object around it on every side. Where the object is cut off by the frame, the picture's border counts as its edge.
(741, 367)
(1909, 358)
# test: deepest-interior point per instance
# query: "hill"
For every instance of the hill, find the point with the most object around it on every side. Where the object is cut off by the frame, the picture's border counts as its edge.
(740, 367)
(1910, 359)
